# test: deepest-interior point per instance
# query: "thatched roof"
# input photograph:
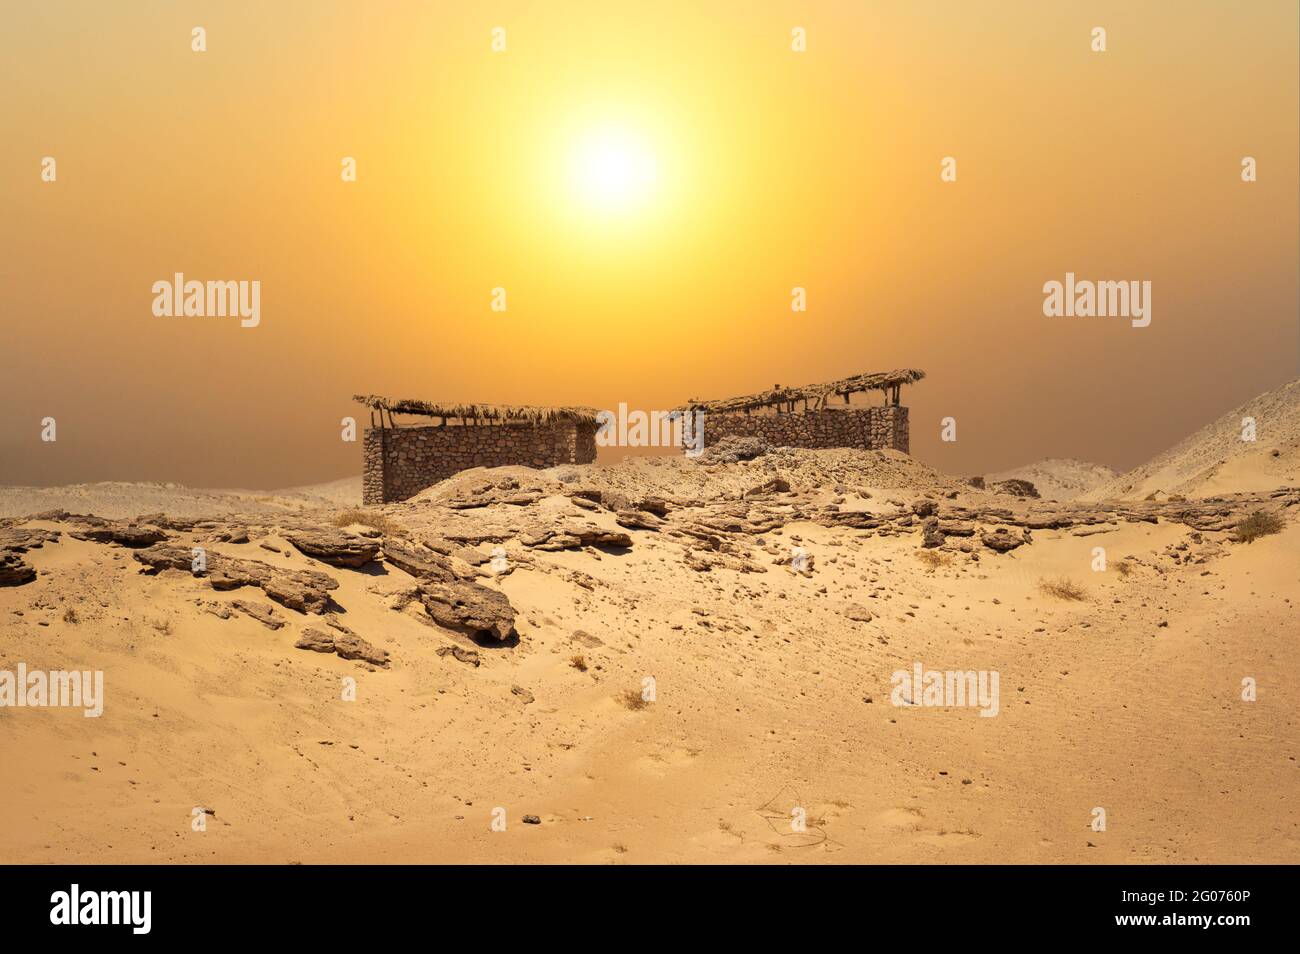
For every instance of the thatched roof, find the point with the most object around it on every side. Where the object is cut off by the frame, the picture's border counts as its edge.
(530, 413)
(817, 395)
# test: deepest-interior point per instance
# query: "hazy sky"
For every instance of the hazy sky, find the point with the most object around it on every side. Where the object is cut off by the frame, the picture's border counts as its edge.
(740, 169)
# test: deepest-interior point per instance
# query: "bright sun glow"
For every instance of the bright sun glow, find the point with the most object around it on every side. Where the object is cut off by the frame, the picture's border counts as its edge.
(612, 170)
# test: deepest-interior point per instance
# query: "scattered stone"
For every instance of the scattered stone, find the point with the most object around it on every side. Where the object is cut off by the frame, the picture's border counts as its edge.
(931, 535)
(344, 645)
(467, 656)
(14, 570)
(219, 610)
(775, 485)
(1002, 540)
(858, 613)
(731, 450)
(264, 613)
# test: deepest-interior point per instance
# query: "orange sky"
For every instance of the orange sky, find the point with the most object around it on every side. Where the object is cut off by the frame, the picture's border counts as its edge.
(772, 169)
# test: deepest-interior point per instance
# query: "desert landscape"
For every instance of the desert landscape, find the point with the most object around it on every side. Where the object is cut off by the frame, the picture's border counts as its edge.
(607, 433)
(666, 659)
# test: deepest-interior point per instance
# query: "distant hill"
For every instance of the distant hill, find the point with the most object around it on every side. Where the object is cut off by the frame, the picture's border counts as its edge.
(1059, 478)
(1216, 460)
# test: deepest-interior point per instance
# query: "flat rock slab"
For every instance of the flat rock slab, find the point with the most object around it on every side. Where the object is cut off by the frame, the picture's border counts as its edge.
(264, 613)
(303, 590)
(123, 534)
(573, 536)
(469, 608)
(21, 539)
(638, 520)
(420, 561)
(335, 547)
(467, 656)
(346, 645)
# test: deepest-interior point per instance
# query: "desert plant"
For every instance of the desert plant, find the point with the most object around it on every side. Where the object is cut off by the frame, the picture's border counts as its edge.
(70, 615)
(1259, 524)
(578, 662)
(632, 699)
(375, 521)
(1063, 589)
(933, 558)
(1124, 568)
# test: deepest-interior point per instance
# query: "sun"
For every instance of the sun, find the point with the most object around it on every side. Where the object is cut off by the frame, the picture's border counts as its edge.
(612, 169)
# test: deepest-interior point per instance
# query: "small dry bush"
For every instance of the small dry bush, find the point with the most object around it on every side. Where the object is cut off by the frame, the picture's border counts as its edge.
(578, 662)
(375, 521)
(631, 699)
(1063, 589)
(933, 558)
(1259, 524)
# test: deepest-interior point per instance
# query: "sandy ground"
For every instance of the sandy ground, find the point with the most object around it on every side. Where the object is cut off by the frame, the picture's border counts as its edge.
(119, 499)
(768, 699)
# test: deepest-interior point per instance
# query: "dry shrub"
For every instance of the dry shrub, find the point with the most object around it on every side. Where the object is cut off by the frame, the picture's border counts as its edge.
(933, 558)
(1063, 589)
(578, 662)
(375, 521)
(70, 615)
(1124, 568)
(1259, 524)
(631, 699)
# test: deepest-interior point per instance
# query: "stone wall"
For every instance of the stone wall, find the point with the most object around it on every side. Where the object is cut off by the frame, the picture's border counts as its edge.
(399, 462)
(872, 428)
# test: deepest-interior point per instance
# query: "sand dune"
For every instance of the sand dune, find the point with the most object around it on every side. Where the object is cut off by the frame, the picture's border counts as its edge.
(120, 499)
(1217, 460)
(1058, 478)
(773, 679)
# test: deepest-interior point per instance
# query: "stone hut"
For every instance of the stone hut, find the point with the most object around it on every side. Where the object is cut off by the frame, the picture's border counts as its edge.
(816, 415)
(400, 460)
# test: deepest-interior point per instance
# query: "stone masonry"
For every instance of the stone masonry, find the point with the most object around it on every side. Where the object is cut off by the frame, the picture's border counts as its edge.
(399, 462)
(871, 428)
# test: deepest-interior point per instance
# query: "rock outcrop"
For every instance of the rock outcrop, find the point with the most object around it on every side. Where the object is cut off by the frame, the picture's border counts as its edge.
(335, 547)
(303, 590)
(344, 643)
(469, 608)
